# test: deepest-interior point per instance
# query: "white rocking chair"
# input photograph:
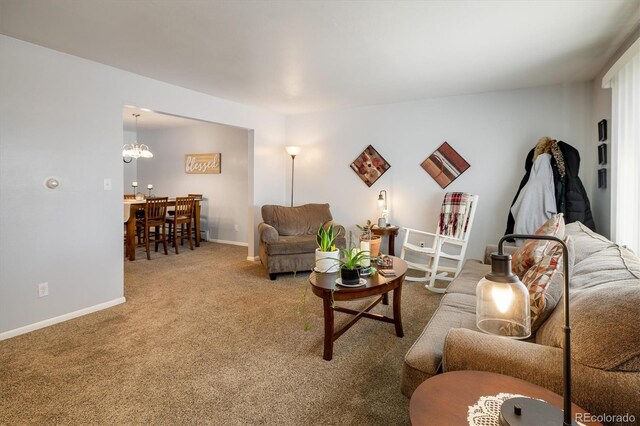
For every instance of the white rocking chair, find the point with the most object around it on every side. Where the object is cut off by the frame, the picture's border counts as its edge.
(454, 228)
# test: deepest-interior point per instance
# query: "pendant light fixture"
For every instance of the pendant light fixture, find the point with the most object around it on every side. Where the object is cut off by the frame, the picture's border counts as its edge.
(135, 150)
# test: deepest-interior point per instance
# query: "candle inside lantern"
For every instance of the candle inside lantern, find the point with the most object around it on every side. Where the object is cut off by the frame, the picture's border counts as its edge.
(134, 184)
(365, 246)
(149, 186)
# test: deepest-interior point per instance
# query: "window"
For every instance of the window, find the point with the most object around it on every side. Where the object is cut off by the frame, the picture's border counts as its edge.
(624, 80)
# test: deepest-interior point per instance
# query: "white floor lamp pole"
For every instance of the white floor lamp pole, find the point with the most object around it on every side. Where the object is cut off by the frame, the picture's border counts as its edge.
(293, 151)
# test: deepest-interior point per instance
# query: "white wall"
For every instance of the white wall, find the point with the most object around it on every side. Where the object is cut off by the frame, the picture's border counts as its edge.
(226, 193)
(62, 115)
(601, 109)
(130, 170)
(492, 131)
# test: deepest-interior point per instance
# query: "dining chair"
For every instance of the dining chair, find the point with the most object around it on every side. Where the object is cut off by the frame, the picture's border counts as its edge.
(183, 216)
(155, 211)
(139, 215)
(196, 197)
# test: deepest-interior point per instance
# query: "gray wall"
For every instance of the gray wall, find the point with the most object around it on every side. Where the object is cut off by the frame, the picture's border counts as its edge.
(224, 212)
(492, 131)
(62, 116)
(601, 109)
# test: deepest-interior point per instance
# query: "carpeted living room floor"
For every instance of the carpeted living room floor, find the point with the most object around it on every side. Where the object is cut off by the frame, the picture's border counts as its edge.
(206, 338)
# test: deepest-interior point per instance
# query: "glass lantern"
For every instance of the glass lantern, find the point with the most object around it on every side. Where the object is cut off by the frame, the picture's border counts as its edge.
(360, 239)
(502, 301)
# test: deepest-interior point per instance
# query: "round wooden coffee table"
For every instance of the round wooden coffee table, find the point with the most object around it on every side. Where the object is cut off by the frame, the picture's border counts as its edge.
(444, 399)
(324, 286)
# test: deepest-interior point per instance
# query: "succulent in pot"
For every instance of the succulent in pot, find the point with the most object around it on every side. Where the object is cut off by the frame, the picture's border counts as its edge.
(327, 255)
(351, 265)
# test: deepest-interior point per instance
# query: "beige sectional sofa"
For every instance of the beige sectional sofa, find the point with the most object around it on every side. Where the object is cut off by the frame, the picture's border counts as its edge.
(605, 318)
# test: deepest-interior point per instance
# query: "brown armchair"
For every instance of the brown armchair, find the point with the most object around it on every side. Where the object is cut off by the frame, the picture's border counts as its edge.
(288, 236)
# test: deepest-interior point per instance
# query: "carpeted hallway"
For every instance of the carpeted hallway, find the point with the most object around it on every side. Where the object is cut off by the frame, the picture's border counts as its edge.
(206, 338)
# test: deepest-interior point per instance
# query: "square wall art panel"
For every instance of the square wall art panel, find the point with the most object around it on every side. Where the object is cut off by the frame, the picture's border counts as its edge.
(445, 165)
(370, 165)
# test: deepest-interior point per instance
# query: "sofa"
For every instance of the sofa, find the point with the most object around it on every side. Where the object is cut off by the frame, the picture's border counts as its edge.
(288, 236)
(605, 320)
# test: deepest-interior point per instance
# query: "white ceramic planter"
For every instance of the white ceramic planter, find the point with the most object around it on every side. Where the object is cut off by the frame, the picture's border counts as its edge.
(327, 261)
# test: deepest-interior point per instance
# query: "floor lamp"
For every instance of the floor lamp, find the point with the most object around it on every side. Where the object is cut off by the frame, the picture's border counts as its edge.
(293, 151)
(502, 308)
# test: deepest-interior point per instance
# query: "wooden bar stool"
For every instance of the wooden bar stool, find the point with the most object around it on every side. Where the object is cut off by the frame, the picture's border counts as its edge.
(199, 198)
(155, 211)
(183, 215)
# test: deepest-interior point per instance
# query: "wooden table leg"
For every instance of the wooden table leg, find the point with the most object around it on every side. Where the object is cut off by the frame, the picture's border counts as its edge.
(131, 235)
(392, 244)
(385, 299)
(328, 329)
(397, 318)
(197, 220)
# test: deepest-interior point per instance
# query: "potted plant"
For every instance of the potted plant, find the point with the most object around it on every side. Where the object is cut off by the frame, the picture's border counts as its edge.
(351, 265)
(327, 255)
(367, 237)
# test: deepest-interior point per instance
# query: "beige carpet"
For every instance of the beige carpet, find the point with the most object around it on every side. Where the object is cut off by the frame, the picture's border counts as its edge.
(206, 338)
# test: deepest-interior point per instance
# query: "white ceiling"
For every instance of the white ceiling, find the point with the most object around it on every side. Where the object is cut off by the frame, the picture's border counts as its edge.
(301, 56)
(150, 120)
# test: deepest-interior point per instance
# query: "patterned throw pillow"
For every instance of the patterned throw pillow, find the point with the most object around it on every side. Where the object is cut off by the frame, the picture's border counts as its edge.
(544, 281)
(532, 251)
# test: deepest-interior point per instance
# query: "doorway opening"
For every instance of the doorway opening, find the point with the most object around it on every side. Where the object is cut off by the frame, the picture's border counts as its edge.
(192, 156)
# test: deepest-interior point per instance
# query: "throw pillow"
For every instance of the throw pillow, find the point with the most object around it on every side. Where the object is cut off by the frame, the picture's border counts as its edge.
(545, 283)
(532, 251)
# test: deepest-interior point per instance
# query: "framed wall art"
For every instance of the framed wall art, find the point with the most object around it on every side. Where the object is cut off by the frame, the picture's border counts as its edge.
(370, 165)
(444, 165)
(602, 130)
(602, 178)
(602, 154)
(202, 163)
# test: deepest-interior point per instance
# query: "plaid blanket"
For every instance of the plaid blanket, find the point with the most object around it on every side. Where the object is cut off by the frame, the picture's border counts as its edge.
(453, 212)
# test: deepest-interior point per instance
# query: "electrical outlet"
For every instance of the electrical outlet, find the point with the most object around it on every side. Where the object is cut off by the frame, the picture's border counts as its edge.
(107, 184)
(236, 227)
(422, 244)
(43, 289)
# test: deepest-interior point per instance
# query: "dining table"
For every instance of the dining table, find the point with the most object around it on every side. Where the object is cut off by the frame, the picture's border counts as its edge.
(130, 208)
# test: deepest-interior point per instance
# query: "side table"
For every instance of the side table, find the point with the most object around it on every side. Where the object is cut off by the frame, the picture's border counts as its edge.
(445, 399)
(391, 232)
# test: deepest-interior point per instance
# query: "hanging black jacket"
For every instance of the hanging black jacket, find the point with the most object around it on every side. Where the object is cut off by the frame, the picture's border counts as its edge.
(574, 202)
(571, 197)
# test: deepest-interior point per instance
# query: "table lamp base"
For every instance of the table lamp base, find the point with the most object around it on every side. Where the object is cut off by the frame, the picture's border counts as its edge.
(530, 412)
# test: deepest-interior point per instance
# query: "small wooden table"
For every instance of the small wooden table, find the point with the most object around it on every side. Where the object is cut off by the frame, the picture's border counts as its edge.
(445, 399)
(324, 286)
(131, 224)
(391, 232)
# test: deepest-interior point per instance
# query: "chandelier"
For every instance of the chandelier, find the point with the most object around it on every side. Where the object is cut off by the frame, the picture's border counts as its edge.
(135, 150)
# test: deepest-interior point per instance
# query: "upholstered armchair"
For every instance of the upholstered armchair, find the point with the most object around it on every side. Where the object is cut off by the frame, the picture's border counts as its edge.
(288, 236)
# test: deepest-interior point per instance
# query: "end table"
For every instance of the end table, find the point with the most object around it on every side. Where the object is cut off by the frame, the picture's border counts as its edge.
(391, 232)
(445, 399)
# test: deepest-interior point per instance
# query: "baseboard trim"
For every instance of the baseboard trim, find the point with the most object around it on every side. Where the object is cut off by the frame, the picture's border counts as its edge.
(233, 243)
(55, 320)
(253, 258)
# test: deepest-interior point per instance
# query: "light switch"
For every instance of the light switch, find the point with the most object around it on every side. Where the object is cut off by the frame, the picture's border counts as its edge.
(107, 184)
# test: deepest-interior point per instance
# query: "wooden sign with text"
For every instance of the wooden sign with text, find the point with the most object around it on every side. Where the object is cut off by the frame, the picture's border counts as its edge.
(202, 163)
